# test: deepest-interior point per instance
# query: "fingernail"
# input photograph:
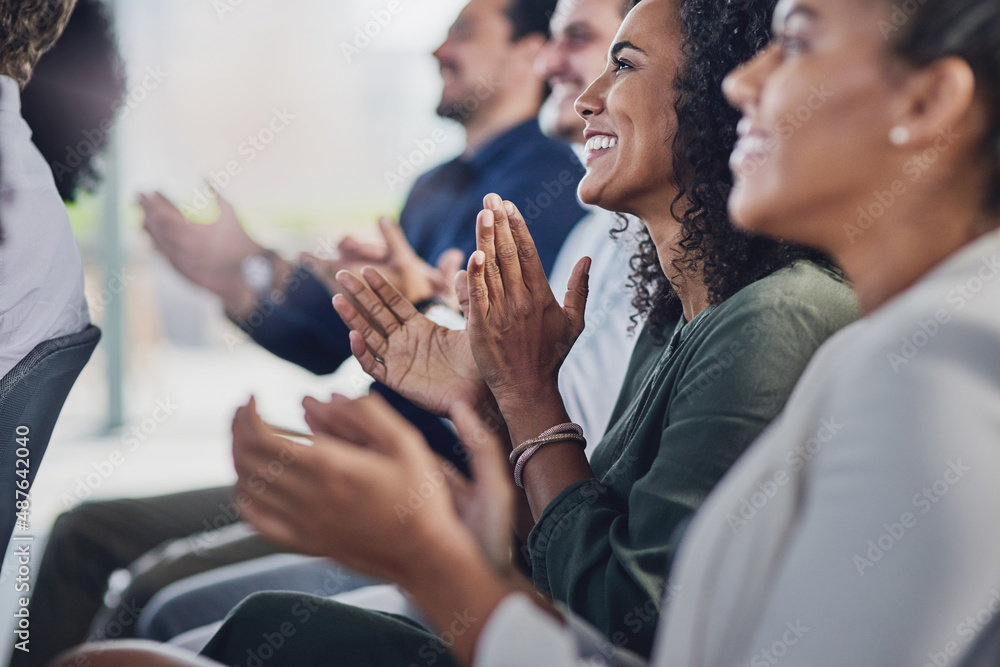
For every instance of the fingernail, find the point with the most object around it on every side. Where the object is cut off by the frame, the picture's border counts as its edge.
(479, 258)
(494, 202)
(488, 219)
(510, 208)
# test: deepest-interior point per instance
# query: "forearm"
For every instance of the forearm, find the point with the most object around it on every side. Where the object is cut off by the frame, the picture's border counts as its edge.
(456, 581)
(555, 466)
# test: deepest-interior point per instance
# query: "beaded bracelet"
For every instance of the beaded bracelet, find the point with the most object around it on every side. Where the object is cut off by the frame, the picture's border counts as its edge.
(523, 452)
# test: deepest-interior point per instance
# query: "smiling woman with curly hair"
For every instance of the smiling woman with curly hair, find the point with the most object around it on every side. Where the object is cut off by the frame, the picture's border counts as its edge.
(729, 258)
(28, 28)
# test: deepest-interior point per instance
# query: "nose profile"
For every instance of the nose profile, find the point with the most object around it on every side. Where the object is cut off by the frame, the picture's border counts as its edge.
(742, 86)
(591, 102)
(443, 52)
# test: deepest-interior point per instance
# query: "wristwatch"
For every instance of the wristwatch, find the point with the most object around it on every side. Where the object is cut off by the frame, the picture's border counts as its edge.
(257, 272)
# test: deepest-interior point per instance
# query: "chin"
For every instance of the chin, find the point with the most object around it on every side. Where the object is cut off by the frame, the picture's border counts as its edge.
(590, 192)
(598, 195)
(749, 208)
(750, 218)
(756, 216)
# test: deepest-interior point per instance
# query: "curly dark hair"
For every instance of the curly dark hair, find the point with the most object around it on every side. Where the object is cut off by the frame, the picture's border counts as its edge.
(720, 35)
(72, 100)
(27, 29)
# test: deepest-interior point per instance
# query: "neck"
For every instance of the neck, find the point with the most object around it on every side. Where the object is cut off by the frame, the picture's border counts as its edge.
(891, 261)
(688, 284)
(916, 235)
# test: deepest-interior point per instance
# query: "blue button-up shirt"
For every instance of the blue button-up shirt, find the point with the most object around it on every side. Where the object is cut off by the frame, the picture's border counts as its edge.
(540, 175)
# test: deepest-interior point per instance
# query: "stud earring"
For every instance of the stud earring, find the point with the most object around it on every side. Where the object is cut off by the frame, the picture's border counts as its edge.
(899, 136)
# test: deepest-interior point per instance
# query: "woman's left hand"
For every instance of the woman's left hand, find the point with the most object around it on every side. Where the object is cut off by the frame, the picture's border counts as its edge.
(520, 334)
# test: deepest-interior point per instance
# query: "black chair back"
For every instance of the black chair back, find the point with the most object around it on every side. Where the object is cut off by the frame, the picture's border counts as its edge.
(31, 397)
(985, 652)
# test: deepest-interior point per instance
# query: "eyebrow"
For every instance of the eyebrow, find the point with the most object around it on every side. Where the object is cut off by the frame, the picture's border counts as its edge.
(621, 46)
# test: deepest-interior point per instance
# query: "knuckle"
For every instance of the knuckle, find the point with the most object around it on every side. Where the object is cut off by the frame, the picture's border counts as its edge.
(507, 251)
(394, 300)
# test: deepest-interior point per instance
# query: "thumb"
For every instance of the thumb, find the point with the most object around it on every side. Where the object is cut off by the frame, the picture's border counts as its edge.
(351, 250)
(575, 303)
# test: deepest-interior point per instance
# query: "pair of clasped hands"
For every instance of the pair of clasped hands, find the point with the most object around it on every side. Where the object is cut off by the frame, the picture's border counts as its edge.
(348, 496)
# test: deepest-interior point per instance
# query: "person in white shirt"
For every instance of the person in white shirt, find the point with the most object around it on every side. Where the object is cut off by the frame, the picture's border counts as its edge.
(41, 270)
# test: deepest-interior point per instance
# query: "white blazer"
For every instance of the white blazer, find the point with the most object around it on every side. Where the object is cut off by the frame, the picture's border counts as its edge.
(862, 527)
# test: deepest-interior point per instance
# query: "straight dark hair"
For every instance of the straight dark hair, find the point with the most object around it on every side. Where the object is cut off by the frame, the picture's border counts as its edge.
(921, 32)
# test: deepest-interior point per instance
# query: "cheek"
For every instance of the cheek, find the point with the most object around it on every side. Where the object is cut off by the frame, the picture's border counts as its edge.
(820, 159)
(651, 155)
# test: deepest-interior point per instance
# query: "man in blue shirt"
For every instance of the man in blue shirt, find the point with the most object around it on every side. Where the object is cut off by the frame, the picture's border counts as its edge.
(492, 89)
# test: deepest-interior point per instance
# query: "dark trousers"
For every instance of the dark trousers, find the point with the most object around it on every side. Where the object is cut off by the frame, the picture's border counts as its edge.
(93, 541)
(279, 629)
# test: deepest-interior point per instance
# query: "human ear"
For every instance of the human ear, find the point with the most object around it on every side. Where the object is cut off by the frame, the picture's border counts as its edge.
(933, 100)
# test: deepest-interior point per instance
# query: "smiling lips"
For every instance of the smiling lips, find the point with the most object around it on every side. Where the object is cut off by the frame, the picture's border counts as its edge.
(600, 143)
(753, 145)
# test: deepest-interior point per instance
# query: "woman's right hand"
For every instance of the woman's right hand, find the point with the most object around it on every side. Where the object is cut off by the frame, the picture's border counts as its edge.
(430, 365)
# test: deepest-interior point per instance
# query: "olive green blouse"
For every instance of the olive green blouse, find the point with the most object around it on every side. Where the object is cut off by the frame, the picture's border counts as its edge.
(687, 410)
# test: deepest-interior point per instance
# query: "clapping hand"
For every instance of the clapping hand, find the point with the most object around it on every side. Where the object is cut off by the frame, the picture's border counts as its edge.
(350, 496)
(399, 263)
(430, 365)
(209, 255)
(518, 331)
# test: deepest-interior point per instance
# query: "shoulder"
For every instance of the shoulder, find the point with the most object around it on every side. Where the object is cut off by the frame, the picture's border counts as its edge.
(750, 350)
(803, 300)
(804, 285)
